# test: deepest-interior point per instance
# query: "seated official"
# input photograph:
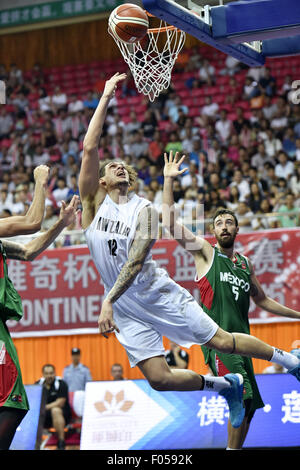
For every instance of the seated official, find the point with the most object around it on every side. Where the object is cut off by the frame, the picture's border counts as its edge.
(58, 410)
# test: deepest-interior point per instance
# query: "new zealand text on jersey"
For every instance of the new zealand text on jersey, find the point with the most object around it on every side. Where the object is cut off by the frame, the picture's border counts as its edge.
(236, 281)
(112, 226)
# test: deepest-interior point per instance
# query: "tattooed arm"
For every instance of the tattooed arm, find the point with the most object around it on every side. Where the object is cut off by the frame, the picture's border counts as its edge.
(265, 302)
(31, 250)
(145, 237)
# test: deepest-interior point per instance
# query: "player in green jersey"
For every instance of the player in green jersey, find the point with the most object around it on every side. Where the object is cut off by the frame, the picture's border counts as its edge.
(226, 281)
(13, 400)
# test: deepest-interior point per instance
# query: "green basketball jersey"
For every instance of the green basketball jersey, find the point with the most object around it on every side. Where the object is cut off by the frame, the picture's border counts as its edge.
(12, 391)
(225, 292)
(225, 297)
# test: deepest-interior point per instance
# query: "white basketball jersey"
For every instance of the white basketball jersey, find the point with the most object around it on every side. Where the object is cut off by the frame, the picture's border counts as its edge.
(109, 238)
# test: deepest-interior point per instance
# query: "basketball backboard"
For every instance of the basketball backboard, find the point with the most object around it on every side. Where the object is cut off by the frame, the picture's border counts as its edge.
(249, 30)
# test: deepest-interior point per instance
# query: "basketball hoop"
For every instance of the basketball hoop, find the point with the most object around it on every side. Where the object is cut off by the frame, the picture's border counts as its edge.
(152, 59)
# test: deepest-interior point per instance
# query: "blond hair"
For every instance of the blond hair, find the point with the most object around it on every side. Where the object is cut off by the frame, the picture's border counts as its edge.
(131, 171)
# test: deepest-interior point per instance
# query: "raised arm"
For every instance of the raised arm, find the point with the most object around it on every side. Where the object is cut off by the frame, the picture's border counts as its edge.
(192, 243)
(145, 237)
(89, 172)
(31, 250)
(31, 222)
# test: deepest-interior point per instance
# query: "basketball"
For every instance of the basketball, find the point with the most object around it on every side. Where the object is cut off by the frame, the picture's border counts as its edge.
(128, 23)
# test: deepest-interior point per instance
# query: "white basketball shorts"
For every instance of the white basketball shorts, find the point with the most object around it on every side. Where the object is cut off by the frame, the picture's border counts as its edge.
(162, 308)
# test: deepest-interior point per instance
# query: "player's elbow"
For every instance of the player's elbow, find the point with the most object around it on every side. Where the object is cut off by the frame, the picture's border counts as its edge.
(27, 227)
(88, 147)
(261, 301)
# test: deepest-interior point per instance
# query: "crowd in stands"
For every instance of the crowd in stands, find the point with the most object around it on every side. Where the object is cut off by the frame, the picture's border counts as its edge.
(239, 128)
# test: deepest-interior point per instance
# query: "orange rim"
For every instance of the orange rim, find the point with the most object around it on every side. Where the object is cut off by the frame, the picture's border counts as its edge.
(161, 29)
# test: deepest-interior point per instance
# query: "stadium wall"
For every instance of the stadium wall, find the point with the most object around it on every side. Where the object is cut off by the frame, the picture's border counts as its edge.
(70, 44)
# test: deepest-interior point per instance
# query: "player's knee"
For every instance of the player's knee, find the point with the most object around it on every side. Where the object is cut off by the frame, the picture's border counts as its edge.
(160, 382)
(222, 341)
(56, 411)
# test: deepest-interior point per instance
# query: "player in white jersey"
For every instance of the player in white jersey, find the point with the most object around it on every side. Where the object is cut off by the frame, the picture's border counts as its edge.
(142, 303)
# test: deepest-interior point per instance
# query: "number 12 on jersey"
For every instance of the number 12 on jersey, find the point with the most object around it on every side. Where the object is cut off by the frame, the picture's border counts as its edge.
(112, 245)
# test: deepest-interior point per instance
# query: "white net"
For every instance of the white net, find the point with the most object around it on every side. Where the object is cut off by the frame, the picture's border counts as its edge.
(151, 60)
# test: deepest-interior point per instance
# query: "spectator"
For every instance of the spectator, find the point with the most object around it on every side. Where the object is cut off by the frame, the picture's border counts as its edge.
(285, 168)
(244, 216)
(132, 126)
(207, 73)
(20, 199)
(174, 144)
(294, 183)
(154, 175)
(49, 219)
(117, 372)
(267, 222)
(58, 411)
(73, 187)
(279, 123)
(196, 154)
(272, 144)
(234, 197)
(249, 88)
(149, 124)
(240, 120)
(76, 375)
(40, 156)
(224, 127)
(269, 108)
(58, 99)
(75, 104)
(242, 185)
(61, 192)
(261, 157)
(6, 123)
(255, 197)
(6, 200)
(267, 83)
(62, 123)
(210, 109)
(138, 145)
(91, 101)
(20, 101)
(289, 142)
(176, 357)
(186, 179)
(174, 109)
(287, 208)
(156, 147)
(178, 191)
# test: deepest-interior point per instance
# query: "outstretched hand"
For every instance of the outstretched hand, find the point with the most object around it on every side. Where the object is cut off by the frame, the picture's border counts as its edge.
(112, 83)
(172, 165)
(68, 212)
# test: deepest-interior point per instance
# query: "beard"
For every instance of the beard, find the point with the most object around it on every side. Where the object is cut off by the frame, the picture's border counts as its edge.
(226, 242)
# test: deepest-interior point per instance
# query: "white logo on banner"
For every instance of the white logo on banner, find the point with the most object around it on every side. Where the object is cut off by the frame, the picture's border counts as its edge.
(117, 415)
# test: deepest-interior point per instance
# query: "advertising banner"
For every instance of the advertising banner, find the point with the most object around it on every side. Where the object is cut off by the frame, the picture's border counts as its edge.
(130, 415)
(56, 10)
(62, 291)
